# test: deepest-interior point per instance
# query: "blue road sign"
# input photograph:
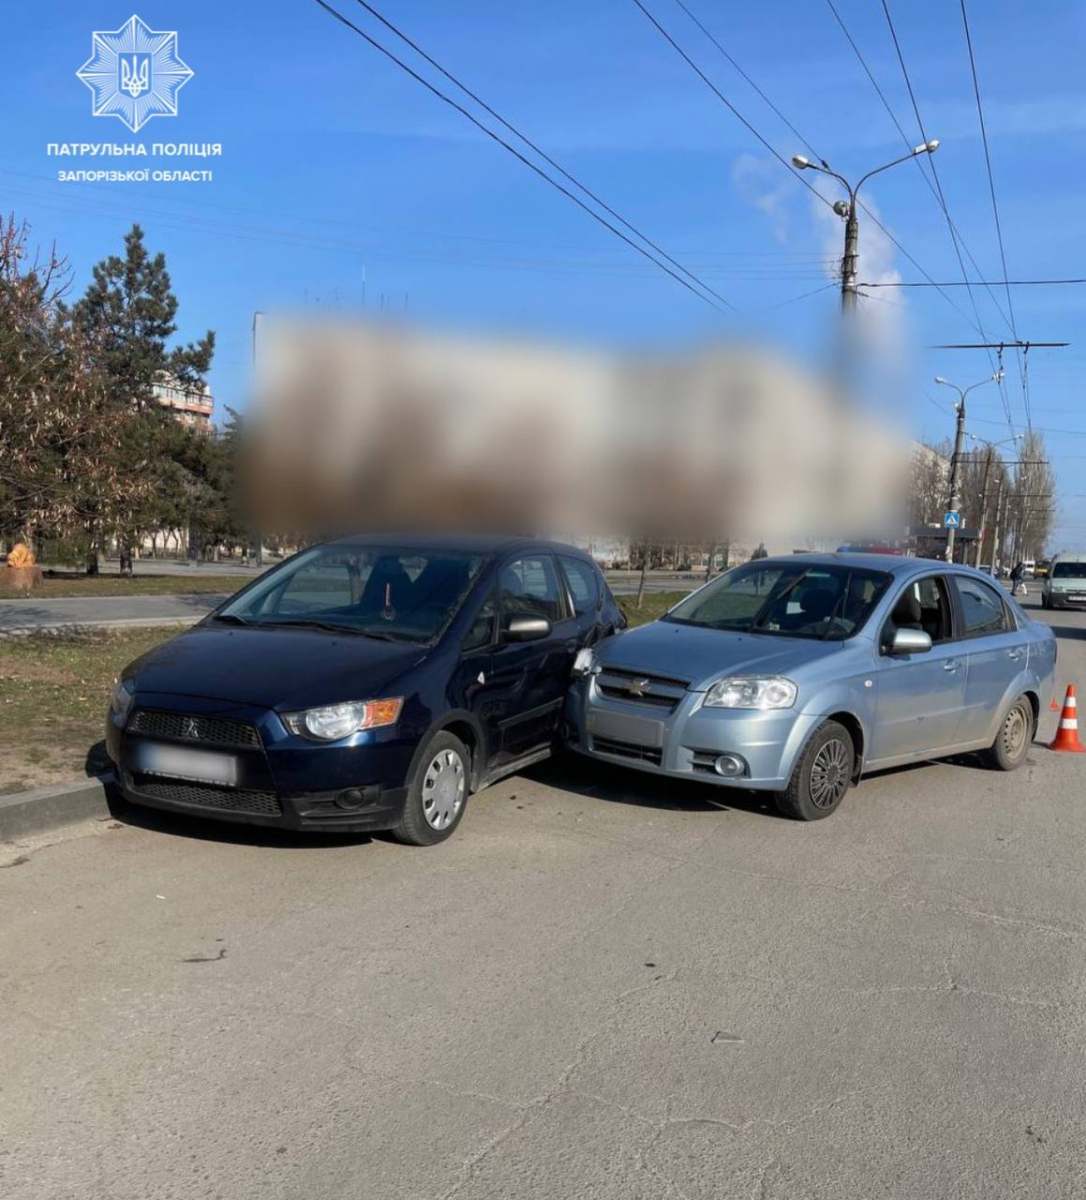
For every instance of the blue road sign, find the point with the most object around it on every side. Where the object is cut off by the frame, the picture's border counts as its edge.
(952, 520)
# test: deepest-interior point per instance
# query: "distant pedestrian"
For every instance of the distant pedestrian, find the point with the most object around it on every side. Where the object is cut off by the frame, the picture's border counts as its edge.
(1018, 579)
(760, 552)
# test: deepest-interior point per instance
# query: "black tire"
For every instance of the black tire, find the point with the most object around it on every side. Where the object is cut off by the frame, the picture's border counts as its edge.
(437, 793)
(821, 777)
(1011, 746)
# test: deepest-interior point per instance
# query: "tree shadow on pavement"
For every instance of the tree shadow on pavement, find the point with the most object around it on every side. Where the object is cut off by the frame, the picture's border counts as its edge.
(597, 780)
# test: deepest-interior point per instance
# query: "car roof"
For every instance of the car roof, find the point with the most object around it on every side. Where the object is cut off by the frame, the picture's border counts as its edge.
(1077, 556)
(892, 564)
(471, 543)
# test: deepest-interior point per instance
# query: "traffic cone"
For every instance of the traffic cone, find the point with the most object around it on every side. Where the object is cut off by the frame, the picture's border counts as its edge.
(1054, 706)
(1067, 733)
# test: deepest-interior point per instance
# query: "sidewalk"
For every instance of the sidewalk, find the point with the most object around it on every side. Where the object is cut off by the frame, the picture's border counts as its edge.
(103, 612)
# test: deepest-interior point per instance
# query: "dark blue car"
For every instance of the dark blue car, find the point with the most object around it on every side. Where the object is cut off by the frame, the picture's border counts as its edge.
(368, 683)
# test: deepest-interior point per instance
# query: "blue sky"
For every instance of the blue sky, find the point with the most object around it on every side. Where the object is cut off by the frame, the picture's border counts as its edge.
(342, 179)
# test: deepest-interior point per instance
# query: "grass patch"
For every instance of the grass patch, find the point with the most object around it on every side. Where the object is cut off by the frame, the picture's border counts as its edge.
(53, 695)
(653, 605)
(58, 584)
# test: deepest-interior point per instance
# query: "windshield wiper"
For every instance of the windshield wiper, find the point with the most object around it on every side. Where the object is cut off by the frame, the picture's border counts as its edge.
(312, 623)
(231, 619)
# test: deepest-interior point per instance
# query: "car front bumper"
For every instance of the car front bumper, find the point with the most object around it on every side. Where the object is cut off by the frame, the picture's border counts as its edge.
(686, 742)
(278, 780)
(1065, 600)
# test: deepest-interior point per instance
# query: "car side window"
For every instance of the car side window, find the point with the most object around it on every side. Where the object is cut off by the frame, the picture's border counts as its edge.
(581, 577)
(982, 607)
(530, 585)
(924, 605)
(481, 633)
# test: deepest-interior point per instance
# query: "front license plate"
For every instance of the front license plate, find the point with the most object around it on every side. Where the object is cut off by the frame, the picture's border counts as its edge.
(625, 728)
(178, 762)
(1077, 598)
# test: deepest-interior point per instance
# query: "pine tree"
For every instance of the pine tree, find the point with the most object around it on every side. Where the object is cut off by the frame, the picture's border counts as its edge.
(128, 314)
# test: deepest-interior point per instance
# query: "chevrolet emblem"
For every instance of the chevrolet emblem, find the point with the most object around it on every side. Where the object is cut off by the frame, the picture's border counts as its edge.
(638, 687)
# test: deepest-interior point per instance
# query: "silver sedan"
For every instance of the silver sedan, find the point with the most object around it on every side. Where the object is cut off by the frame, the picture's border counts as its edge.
(796, 675)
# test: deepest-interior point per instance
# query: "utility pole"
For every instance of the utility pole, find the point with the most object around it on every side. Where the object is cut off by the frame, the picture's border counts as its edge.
(955, 470)
(983, 504)
(846, 209)
(996, 532)
(959, 408)
(848, 263)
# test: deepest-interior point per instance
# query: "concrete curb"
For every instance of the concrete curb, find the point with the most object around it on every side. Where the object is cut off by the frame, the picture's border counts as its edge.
(42, 809)
(69, 629)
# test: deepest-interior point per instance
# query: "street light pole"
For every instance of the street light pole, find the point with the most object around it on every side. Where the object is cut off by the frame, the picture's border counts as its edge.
(989, 458)
(847, 211)
(955, 462)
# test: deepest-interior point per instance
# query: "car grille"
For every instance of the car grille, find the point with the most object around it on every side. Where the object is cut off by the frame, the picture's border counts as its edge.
(635, 687)
(632, 750)
(208, 795)
(193, 727)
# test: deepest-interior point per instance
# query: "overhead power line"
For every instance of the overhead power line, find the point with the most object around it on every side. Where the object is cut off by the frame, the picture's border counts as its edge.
(528, 142)
(338, 16)
(992, 192)
(915, 283)
(788, 166)
(936, 189)
(942, 202)
(729, 105)
(738, 68)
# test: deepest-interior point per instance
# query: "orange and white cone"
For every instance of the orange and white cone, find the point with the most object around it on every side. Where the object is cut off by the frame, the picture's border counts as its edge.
(1067, 733)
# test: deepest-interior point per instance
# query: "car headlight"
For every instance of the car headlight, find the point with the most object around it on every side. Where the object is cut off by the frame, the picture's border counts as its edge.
(585, 661)
(120, 700)
(334, 721)
(751, 691)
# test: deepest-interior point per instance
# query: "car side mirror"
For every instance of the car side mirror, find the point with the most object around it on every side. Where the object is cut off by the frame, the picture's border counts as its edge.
(910, 641)
(525, 627)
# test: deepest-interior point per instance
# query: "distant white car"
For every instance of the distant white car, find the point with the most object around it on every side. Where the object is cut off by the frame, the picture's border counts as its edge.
(1065, 584)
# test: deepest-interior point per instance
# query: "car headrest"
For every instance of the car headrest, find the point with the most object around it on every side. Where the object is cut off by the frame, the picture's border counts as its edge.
(907, 611)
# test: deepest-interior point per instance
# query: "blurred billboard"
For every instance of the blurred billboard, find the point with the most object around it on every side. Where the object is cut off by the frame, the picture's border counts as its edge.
(364, 425)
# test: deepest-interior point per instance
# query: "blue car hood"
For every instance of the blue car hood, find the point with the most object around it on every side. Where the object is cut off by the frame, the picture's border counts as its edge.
(702, 655)
(276, 668)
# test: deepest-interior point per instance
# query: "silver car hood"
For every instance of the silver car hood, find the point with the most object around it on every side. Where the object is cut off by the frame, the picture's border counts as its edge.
(700, 655)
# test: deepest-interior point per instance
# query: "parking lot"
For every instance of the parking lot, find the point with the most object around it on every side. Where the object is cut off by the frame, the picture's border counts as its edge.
(605, 985)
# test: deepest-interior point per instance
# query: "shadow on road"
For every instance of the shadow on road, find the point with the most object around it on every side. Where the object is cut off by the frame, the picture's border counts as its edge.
(228, 832)
(618, 785)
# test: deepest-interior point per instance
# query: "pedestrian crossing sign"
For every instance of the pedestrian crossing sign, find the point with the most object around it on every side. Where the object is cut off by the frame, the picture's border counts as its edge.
(952, 520)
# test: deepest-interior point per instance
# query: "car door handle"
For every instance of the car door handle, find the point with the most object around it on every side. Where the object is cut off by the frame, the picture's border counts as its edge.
(1015, 653)
(951, 664)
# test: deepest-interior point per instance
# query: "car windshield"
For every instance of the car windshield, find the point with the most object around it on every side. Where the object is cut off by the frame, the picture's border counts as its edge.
(395, 594)
(786, 599)
(1069, 570)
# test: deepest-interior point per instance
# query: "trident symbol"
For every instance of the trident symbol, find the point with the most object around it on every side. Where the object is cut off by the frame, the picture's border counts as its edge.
(135, 77)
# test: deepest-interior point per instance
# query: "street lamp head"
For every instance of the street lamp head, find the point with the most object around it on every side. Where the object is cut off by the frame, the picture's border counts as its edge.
(940, 379)
(932, 146)
(799, 162)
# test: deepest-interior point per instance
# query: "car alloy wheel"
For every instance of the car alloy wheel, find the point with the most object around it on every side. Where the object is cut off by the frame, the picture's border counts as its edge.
(830, 773)
(444, 786)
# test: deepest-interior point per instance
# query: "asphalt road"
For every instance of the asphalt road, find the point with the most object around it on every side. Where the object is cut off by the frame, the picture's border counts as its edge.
(604, 986)
(89, 612)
